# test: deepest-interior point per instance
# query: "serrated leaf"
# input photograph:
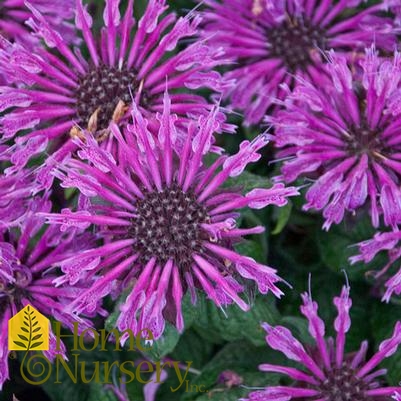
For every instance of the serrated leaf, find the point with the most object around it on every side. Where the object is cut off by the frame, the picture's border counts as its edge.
(216, 327)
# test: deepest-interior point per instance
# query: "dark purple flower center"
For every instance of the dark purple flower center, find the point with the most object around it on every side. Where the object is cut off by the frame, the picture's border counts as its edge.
(293, 42)
(362, 139)
(101, 89)
(342, 384)
(168, 226)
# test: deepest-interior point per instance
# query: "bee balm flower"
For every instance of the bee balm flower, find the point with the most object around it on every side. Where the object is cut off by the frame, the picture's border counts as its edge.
(168, 223)
(58, 91)
(272, 40)
(346, 136)
(329, 374)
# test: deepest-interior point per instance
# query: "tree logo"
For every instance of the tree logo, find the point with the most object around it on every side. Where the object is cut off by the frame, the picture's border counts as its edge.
(28, 330)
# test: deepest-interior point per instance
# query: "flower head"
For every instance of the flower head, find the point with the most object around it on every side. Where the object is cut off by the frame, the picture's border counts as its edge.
(168, 223)
(15, 15)
(59, 91)
(28, 272)
(271, 41)
(329, 374)
(388, 242)
(346, 136)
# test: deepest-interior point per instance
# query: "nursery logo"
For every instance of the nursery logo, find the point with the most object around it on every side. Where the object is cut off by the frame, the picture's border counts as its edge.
(28, 330)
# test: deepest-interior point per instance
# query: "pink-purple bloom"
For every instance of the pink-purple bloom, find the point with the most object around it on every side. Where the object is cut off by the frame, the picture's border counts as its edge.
(15, 19)
(16, 191)
(271, 40)
(389, 243)
(57, 92)
(345, 135)
(328, 374)
(168, 224)
(28, 258)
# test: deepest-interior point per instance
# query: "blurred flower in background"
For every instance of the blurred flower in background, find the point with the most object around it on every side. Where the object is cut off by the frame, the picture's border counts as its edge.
(15, 20)
(271, 41)
(389, 243)
(29, 255)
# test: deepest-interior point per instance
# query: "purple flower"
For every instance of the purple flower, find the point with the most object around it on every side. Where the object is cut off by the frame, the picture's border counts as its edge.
(388, 242)
(346, 136)
(27, 273)
(329, 374)
(15, 17)
(58, 91)
(271, 40)
(168, 223)
(395, 7)
(15, 194)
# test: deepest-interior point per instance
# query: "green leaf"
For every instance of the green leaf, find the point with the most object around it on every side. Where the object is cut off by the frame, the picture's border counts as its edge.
(24, 330)
(248, 181)
(165, 344)
(236, 324)
(23, 337)
(252, 249)
(338, 245)
(383, 318)
(192, 347)
(241, 358)
(34, 345)
(97, 392)
(284, 214)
